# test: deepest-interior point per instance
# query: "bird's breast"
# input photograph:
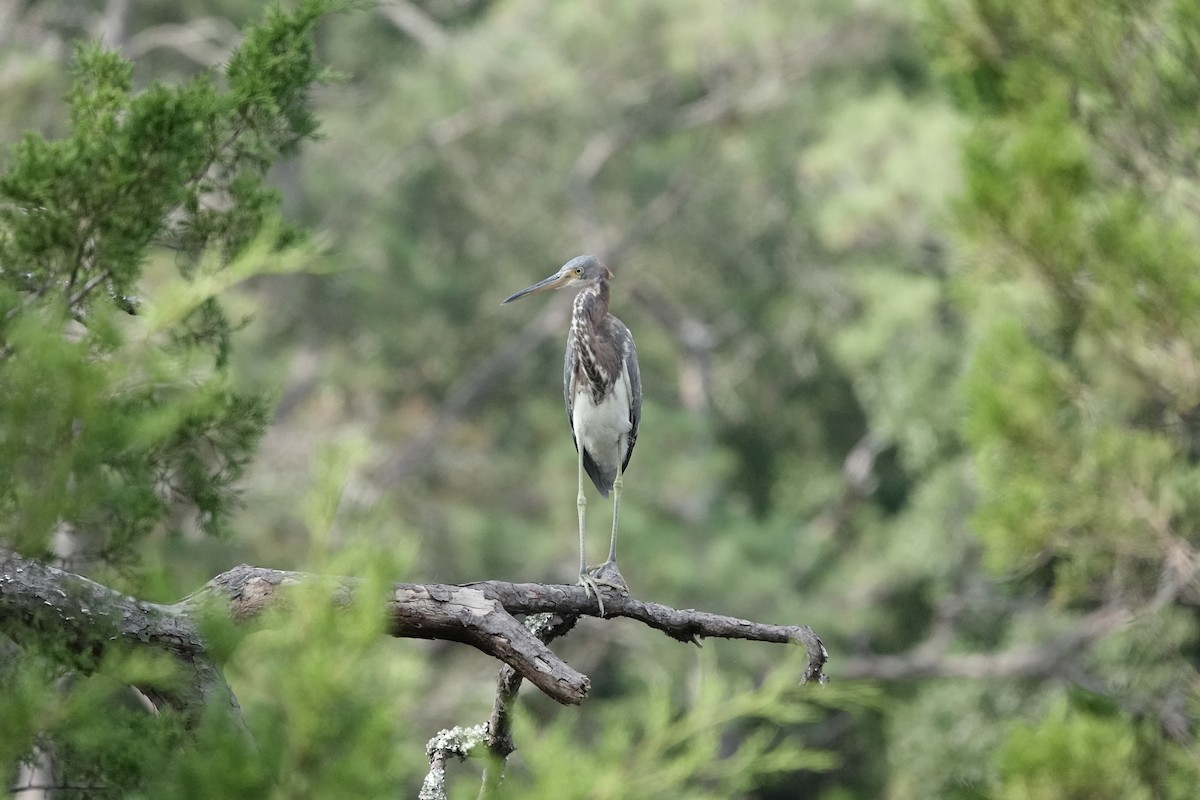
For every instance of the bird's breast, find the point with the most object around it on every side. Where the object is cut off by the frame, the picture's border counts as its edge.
(602, 429)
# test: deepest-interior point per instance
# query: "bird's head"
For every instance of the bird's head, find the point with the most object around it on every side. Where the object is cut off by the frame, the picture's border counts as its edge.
(579, 272)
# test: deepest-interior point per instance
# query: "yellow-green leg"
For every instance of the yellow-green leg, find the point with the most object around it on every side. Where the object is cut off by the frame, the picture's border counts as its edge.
(607, 573)
(581, 505)
(589, 584)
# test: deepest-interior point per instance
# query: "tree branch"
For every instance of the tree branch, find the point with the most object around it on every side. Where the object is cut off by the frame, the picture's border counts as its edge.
(495, 736)
(88, 617)
(36, 597)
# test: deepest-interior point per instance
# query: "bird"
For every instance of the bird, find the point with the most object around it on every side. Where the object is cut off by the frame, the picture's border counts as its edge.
(602, 390)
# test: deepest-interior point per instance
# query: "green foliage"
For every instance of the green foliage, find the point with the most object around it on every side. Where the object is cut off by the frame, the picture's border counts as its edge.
(324, 695)
(112, 430)
(118, 414)
(324, 701)
(1080, 278)
(1080, 402)
(726, 740)
(1074, 753)
(97, 731)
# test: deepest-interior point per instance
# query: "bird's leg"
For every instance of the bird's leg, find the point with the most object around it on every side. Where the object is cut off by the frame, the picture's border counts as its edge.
(588, 583)
(607, 573)
(616, 493)
(581, 505)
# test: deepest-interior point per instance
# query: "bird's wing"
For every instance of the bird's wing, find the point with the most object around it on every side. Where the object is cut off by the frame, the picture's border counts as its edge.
(569, 389)
(635, 394)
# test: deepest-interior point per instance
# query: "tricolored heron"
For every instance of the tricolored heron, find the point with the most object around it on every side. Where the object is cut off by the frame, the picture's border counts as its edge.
(603, 392)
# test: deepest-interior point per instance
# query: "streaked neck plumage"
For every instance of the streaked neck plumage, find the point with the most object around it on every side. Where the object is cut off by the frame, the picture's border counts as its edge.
(597, 362)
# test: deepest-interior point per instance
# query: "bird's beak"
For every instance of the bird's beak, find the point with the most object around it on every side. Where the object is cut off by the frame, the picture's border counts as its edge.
(555, 281)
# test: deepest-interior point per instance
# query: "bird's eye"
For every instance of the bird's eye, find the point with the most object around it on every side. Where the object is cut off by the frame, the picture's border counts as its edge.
(579, 272)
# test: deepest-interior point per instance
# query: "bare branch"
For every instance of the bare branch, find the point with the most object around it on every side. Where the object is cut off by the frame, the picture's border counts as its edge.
(90, 617)
(498, 740)
(457, 742)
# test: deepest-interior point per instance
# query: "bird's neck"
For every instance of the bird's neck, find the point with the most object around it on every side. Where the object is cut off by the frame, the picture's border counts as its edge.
(596, 360)
(592, 302)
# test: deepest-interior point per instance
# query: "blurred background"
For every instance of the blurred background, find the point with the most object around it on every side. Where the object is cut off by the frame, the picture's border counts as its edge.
(913, 286)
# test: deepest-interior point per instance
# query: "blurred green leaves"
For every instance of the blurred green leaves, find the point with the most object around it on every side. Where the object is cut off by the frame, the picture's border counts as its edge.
(1078, 279)
(112, 427)
(727, 739)
(1073, 753)
(1077, 401)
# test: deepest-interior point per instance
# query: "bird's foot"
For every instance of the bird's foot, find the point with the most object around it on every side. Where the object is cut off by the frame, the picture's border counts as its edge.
(607, 574)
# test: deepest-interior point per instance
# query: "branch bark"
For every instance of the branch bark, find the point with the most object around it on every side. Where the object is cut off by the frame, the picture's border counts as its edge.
(494, 737)
(498, 737)
(35, 597)
(87, 618)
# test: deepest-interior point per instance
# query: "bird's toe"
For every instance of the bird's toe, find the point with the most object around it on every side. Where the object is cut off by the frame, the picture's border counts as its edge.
(608, 575)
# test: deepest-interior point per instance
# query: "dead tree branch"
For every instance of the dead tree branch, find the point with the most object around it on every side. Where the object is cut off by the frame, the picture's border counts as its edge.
(493, 737)
(87, 618)
(498, 739)
(90, 618)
